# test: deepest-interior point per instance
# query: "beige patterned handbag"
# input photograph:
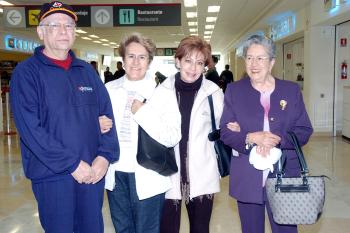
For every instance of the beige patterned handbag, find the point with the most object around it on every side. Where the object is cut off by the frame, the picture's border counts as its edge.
(296, 200)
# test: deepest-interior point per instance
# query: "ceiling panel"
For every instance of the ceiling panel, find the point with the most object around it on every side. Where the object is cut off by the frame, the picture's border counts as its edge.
(234, 20)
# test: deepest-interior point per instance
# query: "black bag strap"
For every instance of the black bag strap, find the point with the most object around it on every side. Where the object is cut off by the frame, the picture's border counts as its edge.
(301, 157)
(211, 105)
(303, 165)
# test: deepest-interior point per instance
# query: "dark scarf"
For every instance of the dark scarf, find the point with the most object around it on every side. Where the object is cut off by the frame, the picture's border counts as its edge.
(186, 93)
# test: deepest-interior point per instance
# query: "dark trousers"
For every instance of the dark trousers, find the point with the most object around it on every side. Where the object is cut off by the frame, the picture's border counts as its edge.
(129, 214)
(199, 212)
(65, 206)
(253, 218)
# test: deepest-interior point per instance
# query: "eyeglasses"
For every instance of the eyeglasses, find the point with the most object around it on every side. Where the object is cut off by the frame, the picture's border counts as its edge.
(140, 58)
(259, 60)
(56, 26)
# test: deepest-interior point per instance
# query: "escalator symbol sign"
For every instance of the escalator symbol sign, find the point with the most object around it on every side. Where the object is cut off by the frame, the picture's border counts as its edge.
(126, 16)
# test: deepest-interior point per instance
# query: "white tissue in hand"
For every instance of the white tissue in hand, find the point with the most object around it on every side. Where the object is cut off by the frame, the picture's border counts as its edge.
(263, 163)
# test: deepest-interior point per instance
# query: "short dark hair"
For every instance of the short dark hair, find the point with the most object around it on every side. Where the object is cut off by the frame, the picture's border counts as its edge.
(227, 66)
(215, 59)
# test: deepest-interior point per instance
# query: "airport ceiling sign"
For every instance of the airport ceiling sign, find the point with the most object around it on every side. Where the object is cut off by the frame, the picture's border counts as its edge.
(148, 15)
(84, 15)
(102, 15)
(14, 17)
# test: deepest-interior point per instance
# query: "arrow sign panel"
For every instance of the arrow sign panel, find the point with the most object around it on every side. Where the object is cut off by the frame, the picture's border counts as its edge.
(14, 17)
(102, 16)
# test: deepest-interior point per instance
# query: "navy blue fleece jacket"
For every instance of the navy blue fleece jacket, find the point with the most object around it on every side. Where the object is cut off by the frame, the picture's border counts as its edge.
(56, 114)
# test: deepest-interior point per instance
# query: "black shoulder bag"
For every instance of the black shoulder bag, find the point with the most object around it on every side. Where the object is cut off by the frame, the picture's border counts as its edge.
(223, 152)
(155, 156)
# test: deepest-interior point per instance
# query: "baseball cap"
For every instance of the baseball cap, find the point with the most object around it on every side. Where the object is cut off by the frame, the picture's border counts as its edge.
(56, 7)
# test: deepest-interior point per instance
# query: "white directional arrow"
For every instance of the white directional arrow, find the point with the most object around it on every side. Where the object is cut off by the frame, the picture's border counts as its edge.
(102, 16)
(14, 17)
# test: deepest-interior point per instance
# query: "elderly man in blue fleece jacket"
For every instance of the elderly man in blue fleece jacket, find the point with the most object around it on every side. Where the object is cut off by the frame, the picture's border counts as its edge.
(56, 101)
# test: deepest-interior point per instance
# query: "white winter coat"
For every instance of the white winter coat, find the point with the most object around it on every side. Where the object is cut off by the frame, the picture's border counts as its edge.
(203, 170)
(160, 118)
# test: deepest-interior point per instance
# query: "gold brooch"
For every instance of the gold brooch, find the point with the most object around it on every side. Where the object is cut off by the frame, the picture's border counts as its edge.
(283, 104)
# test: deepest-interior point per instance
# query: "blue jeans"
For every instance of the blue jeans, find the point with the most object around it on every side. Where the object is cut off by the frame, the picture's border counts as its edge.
(129, 214)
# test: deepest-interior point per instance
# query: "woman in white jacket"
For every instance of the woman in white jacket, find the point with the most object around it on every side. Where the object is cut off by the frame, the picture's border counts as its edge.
(136, 194)
(198, 177)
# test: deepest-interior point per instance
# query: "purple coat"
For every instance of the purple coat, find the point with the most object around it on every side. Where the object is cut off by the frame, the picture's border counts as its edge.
(242, 104)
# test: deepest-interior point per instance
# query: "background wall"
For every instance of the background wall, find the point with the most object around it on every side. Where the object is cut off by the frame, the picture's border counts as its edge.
(342, 54)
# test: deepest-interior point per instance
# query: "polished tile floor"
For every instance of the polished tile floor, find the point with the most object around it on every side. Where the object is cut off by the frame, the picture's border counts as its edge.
(326, 155)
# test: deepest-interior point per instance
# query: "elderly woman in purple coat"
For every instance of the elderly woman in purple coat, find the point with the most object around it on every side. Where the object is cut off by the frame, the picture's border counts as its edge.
(259, 110)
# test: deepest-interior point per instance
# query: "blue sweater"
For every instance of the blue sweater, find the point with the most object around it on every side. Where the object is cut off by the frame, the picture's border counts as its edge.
(56, 114)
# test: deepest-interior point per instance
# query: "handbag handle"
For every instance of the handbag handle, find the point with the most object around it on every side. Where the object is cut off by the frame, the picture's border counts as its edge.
(213, 124)
(300, 154)
(303, 170)
(301, 158)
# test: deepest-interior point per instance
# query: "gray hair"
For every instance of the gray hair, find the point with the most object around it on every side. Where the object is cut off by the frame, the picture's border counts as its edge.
(264, 41)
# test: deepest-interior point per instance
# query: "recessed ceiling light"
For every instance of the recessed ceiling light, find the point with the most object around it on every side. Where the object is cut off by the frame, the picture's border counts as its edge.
(97, 41)
(5, 3)
(191, 14)
(104, 40)
(193, 30)
(80, 31)
(207, 37)
(194, 34)
(210, 19)
(94, 36)
(212, 9)
(1, 10)
(208, 32)
(190, 3)
(105, 44)
(112, 43)
(209, 26)
(192, 23)
(86, 38)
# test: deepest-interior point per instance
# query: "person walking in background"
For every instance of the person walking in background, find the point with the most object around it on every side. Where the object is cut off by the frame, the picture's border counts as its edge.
(56, 100)
(212, 74)
(136, 194)
(95, 66)
(258, 112)
(226, 77)
(198, 178)
(108, 75)
(120, 72)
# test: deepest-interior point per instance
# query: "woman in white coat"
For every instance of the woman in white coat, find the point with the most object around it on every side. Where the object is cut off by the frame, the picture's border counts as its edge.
(198, 177)
(136, 194)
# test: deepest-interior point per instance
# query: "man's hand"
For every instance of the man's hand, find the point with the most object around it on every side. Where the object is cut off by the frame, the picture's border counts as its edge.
(99, 167)
(105, 124)
(83, 173)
